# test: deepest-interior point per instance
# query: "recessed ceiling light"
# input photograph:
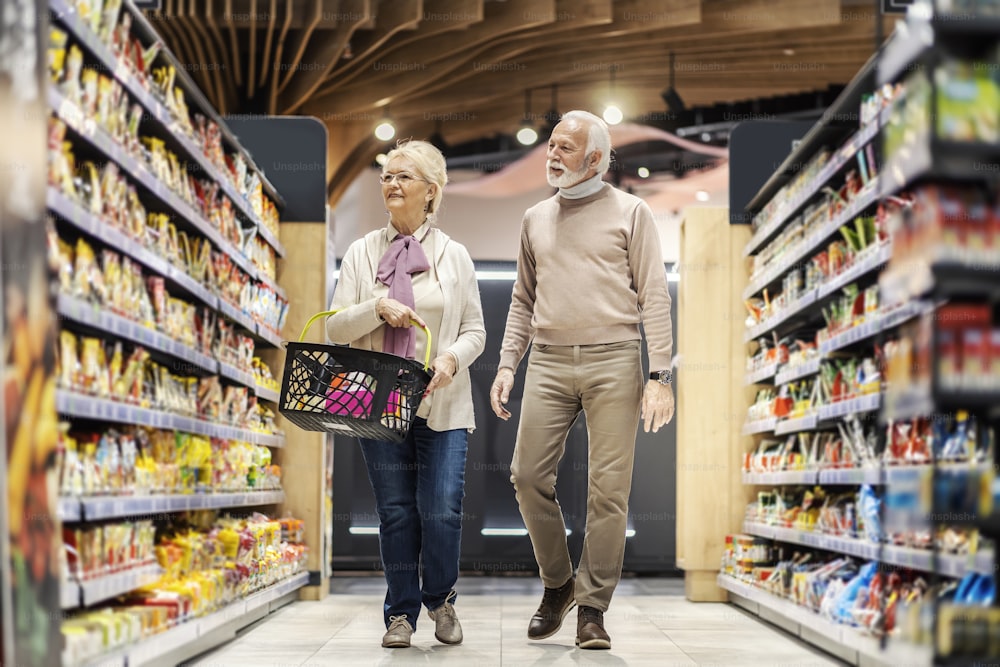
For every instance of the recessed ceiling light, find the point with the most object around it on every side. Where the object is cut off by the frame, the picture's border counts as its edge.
(789, 52)
(701, 195)
(643, 172)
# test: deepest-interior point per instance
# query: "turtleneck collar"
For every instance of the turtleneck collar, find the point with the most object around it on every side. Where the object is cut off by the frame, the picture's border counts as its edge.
(584, 188)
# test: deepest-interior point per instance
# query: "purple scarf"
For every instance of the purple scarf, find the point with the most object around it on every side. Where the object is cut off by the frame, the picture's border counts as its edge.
(403, 258)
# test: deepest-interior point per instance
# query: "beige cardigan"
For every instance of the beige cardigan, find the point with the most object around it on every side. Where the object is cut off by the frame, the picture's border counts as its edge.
(463, 332)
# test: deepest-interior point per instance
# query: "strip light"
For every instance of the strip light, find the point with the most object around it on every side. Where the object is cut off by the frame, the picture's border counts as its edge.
(672, 276)
(363, 530)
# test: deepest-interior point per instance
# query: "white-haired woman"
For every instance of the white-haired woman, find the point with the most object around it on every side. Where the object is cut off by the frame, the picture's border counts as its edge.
(411, 270)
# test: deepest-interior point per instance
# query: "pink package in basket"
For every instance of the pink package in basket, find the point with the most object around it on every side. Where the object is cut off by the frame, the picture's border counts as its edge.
(356, 402)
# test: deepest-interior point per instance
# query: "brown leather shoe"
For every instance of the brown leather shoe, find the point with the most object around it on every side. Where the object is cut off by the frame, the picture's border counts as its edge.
(590, 631)
(556, 603)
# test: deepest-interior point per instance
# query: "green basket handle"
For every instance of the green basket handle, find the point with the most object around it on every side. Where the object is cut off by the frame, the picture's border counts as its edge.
(328, 313)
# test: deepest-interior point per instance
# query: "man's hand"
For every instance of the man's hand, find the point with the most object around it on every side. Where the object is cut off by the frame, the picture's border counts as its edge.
(444, 368)
(657, 405)
(396, 314)
(500, 392)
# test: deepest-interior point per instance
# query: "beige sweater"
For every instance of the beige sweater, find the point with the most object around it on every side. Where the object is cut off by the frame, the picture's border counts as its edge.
(462, 330)
(588, 272)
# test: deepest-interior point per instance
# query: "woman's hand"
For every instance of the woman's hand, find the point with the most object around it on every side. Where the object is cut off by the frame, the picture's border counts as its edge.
(396, 314)
(444, 367)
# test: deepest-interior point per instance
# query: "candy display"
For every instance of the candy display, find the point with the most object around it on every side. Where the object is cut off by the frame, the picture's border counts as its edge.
(207, 563)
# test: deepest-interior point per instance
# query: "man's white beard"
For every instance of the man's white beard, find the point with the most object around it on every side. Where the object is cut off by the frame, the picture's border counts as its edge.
(567, 178)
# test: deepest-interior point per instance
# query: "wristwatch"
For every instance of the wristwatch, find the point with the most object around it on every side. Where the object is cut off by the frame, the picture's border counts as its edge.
(663, 377)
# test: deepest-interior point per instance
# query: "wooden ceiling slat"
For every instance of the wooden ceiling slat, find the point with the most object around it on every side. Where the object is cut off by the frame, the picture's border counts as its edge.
(323, 55)
(234, 45)
(228, 96)
(440, 16)
(272, 97)
(267, 68)
(252, 50)
(303, 42)
(209, 67)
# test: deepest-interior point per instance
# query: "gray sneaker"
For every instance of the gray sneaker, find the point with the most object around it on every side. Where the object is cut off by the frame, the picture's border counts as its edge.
(398, 634)
(447, 629)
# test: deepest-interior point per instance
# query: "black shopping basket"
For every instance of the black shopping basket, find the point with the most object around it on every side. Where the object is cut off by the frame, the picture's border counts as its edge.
(339, 389)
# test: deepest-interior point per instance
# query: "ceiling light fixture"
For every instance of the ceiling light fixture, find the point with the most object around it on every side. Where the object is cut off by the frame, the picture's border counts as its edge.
(670, 96)
(612, 114)
(701, 195)
(527, 134)
(385, 130)
(643, 172)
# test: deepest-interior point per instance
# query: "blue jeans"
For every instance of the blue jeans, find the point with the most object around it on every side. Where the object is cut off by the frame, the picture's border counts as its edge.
(419, 485)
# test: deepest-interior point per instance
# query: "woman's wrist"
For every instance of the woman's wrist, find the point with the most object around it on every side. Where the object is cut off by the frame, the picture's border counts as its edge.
(377, 313)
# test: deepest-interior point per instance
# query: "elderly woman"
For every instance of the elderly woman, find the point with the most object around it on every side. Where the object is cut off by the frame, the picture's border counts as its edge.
(412, 271)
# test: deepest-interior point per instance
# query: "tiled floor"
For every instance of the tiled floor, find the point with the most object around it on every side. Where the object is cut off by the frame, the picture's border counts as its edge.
(650, 623)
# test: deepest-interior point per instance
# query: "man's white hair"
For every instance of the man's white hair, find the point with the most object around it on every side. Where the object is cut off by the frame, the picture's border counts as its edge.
(598, 136)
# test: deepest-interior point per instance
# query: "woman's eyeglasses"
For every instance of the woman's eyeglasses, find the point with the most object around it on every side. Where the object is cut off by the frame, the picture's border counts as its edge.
(403, 178)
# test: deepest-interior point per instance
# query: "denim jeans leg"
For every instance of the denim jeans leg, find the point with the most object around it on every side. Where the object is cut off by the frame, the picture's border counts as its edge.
(392, 473)
(441, 457)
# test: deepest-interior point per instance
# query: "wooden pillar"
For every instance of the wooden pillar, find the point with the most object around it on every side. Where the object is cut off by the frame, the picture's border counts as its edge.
(711, 400)
(303, 461)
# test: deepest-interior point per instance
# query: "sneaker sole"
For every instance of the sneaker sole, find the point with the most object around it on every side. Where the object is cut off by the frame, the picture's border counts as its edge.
(558, 627)
(396, 645)
(594, 644)
(445, 641)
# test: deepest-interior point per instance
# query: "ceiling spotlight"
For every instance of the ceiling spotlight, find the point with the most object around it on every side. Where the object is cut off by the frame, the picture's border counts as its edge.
(527, 135)
(643, 172)
(669, 96)
(789, 52)
(385, 130)
(706, 137)
(612, 114)
(701, 195)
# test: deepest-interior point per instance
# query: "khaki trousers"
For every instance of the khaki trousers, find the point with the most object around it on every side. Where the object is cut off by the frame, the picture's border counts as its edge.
(605, 381)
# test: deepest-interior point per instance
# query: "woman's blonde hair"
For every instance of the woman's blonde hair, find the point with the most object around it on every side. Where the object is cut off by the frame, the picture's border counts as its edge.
(429, 163)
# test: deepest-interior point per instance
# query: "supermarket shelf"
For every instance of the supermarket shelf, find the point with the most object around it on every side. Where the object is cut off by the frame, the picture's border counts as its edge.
(872, 476)
(791, 373)
(99, 318)
(142, 26)
(69, 595)
(872, 261)
(925, 159)
(875, 324)
(201, 634)
(69, 509)
(79, 217)
(269, 336)
(271, 240)
(72, 404)
(97, 590)
(786, 426)
(851, 406)
(111, 507)
(75, 119)
(269, 439)
(917, 401)
(821, 135)
(791, 310)
(270, 282)
(238, 375)
(237, 315)
(908, 42)
(844, 545)
(759, 426)
(266, 393)
(850, 643)
(156, 111)
(812, 243)
(780, 477)
(763, 373)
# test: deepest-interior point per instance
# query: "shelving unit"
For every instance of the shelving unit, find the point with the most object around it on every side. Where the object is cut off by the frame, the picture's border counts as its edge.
(80, 314)
(906, 292)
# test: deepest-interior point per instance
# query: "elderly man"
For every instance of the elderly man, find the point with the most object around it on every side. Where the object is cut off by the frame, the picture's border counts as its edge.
(589, 271)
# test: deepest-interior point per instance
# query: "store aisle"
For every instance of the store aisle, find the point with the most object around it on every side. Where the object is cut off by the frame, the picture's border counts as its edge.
(650, 623)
